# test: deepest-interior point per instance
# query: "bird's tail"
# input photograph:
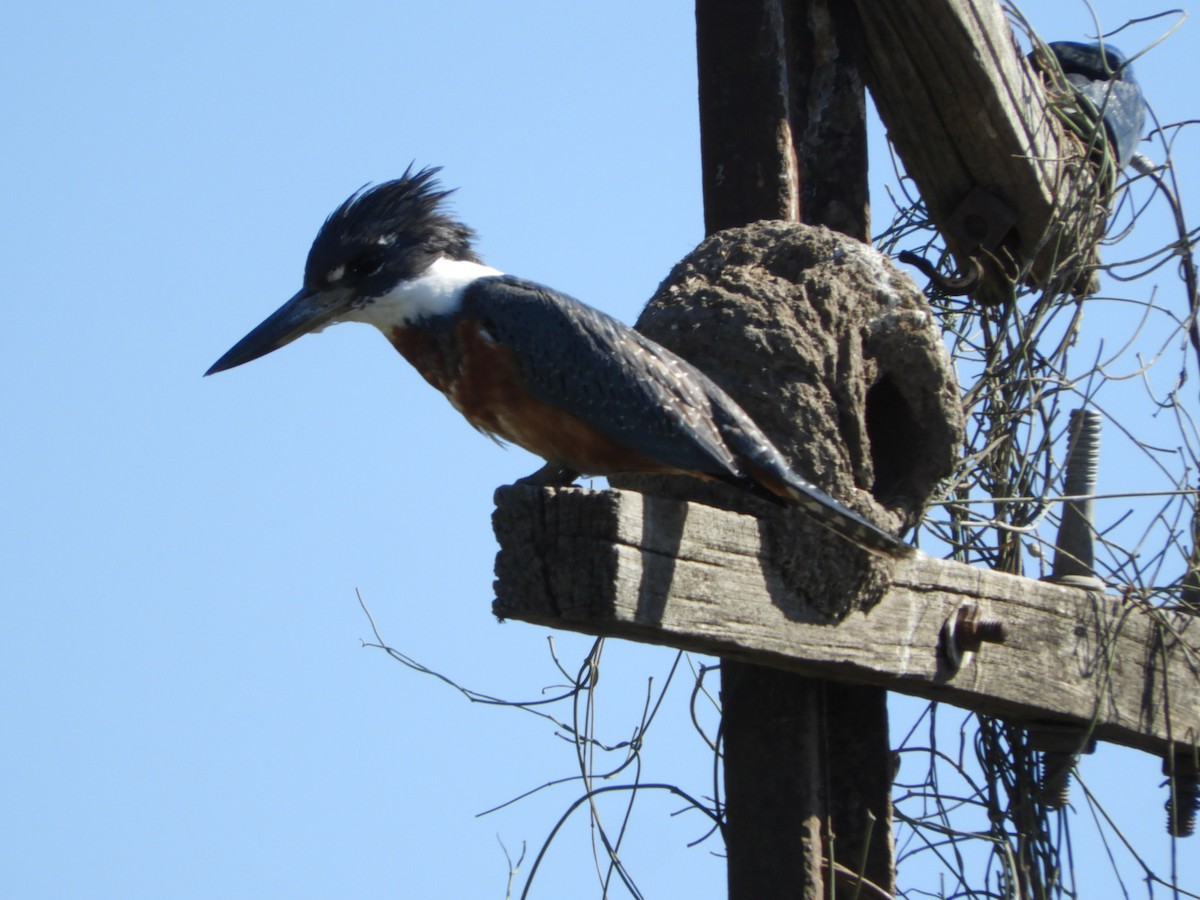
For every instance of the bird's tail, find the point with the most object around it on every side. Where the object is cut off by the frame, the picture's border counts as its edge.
(764, 470)
(846, 523)
(786, 486)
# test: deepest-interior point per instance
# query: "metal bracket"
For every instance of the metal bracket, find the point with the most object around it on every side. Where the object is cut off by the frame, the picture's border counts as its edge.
(980, 222)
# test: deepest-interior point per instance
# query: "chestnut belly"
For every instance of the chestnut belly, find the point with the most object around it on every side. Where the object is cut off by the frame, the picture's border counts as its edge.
(559, 437)
(481, 377)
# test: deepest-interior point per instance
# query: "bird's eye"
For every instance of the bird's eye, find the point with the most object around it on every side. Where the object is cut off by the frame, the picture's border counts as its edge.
(365, 264)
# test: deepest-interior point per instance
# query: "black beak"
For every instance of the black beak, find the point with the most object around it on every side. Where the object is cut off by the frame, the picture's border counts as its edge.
(306, 312)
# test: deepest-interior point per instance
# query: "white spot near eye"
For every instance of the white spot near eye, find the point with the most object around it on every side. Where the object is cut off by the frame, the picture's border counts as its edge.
(386, 240)
(438, 291)
(335, 274)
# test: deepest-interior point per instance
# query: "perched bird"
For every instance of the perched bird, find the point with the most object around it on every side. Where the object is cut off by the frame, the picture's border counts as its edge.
(526, 364)
(1100, 74)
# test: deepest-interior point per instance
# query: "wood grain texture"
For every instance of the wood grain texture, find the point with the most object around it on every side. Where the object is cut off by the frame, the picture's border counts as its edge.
(668, 572)
(783, 135)
(964, 109)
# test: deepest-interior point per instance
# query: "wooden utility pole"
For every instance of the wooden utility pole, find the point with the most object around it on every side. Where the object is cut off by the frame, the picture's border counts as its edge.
(783, 136)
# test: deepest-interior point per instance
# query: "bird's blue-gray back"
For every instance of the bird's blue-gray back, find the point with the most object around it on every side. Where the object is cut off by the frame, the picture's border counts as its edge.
(633, 391)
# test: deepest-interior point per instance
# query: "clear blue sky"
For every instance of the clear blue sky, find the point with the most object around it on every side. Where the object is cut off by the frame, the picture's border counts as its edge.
(187, 709)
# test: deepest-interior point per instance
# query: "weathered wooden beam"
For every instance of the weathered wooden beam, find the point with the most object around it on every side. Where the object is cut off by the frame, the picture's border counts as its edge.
(663, 571)
(965, 111)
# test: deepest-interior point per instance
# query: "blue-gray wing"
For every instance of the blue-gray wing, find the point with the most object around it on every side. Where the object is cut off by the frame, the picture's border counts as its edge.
(1100, 73)
(633, 391)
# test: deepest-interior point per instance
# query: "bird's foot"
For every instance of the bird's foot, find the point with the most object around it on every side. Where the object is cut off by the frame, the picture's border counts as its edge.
(551, 474)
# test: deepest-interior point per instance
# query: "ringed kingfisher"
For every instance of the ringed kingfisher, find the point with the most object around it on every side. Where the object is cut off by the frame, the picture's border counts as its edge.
(526, 364)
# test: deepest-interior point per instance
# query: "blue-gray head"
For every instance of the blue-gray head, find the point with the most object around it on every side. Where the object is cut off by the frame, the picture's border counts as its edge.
(371, 252)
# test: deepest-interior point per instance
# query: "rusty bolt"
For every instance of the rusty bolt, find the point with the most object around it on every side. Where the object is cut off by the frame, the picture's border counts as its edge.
(1074, 555)
(1055, 787)
(1184, 799)
(971, 630)
(966, 631)
(1060, 745)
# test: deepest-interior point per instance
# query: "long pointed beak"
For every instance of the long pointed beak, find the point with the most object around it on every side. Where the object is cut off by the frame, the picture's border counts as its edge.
(306, 312)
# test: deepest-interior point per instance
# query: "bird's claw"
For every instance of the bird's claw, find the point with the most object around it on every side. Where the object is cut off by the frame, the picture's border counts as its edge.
(550, 475)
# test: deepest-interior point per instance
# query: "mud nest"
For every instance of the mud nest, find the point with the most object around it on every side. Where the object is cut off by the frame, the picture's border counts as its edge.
(836, 355)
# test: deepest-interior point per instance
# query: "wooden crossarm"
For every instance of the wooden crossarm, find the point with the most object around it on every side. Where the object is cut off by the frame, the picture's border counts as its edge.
(621, 564)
